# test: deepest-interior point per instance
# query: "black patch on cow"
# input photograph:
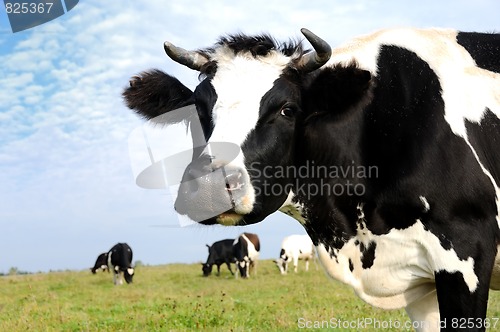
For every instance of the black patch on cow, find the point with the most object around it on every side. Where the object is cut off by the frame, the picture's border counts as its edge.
(282, 252)
(456, 302)
(345, 86)
(485, 139)
(483, 47)
(367, 254)
(351, 265)
(204, 98)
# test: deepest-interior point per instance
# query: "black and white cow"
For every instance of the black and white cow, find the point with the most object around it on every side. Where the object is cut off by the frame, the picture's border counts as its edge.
(101, 263)
(220, 252)
(120, 261)
(246, 250)
(293, 248)
(386, 150)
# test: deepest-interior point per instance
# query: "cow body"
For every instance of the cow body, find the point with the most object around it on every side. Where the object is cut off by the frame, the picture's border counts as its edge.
(220, 252)
(101, 263)
(246, 249)
(293, 249)
(398, 134)
(120, 261)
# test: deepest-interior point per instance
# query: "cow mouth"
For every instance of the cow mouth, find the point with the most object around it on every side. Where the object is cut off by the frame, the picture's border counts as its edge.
(229, 218)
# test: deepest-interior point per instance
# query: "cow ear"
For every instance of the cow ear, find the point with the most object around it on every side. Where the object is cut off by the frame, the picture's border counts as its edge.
(153, 93)
(338, 88)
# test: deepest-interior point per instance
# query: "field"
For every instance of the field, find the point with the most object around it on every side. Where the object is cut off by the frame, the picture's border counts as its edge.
(176, 297)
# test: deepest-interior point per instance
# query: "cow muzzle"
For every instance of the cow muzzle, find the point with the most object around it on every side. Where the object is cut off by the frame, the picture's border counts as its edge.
(214, 193)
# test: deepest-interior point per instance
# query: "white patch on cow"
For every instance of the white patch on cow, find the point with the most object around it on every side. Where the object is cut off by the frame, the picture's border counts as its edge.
(240, 83)
(425, 311)
(426, 204)
(130, 271)
(404, 265)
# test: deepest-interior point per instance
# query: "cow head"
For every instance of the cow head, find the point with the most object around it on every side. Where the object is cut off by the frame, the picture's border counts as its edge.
(128, 274)
(206, 268)
(250, 95)
(282, 261)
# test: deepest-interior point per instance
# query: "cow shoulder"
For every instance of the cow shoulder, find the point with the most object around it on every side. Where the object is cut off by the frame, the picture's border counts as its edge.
(337, 89)
(484, 48)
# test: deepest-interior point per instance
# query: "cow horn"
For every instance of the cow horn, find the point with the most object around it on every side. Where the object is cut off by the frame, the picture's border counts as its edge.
(317, 58)
(191, 59)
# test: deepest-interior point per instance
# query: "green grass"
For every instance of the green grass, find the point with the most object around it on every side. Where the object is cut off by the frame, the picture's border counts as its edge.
(176, 297)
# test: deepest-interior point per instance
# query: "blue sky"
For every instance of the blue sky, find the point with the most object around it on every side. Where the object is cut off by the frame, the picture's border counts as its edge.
(67, 191)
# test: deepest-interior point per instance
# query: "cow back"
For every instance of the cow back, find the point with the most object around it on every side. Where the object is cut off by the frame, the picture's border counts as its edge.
(221, 251)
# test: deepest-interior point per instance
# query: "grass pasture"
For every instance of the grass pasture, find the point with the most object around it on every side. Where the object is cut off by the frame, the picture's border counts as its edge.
(176, 297)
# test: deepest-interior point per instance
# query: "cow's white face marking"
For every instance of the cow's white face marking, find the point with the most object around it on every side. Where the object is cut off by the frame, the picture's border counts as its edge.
(130, 271)
(404, 260)
(240, 83)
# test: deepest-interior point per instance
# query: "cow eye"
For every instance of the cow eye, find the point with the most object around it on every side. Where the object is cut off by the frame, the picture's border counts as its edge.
(287, 111)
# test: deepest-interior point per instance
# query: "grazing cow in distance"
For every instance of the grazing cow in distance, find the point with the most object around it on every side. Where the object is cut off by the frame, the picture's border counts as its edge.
(293, 248)
(120, 261)
(101, 263)
(219, 252)
(386, 150)
(246, 249)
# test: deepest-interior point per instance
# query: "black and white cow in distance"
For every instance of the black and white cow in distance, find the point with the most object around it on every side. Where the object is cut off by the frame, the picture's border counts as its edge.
(402, 130)
(120, 261)
(246, 250)
(293, 248)
(101, 263)
(220, 252)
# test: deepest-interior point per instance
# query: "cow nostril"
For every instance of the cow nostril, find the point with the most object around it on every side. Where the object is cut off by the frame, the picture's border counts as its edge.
(234, 181)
